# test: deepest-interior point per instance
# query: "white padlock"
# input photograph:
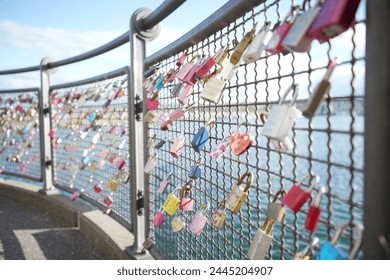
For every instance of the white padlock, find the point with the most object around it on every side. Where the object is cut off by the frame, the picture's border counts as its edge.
(282, 117)
(261, 241)
(228, 70)
(213, 90)
(297, 39)
(282, 146)
(258, 44)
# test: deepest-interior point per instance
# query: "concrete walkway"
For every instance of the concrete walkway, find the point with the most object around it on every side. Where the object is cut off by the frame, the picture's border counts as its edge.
(30, 233)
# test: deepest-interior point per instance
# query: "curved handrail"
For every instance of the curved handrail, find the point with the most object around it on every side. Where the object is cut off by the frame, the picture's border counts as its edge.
(154, 18)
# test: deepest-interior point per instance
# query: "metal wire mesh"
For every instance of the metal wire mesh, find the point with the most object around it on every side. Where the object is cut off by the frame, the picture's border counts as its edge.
(19, 134)
(90, 140)
(329, 145)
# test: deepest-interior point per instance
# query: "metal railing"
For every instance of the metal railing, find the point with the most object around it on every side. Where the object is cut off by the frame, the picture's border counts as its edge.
(79, 119)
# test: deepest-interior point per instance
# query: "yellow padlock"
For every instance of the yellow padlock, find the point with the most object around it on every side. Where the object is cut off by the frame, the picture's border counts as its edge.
(238, 194)
(172, 203)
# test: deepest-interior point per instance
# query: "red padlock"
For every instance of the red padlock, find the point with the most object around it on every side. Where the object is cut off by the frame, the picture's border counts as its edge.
(208, 63)
(280, 32)
(296, 196)
(314, 213)
(182, 59)
(159, 218)
(335, 17)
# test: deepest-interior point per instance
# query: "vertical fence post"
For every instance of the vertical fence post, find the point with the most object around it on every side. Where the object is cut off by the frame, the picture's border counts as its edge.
(138, 129)
(377, 132)
(44, 125)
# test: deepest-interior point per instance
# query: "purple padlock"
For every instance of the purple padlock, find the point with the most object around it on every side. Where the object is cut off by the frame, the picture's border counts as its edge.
(199, 220)
(164, 183)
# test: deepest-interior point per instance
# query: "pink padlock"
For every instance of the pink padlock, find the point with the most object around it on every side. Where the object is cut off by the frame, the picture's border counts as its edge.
(199, 220)
(120, 164)
(185, 93)
(220, 149)
(2, 169)
(104, 154)
(159, 218)
(23, 168)
(186, 68)
(177, 146)
(179, 113)
(97, 188)
(164, 183)
(186, 200)
(52, 133)
(74, 195)
(108, 201)
(335, 17)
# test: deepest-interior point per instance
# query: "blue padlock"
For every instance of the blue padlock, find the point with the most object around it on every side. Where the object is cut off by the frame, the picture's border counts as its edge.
(329, 251)
(195, 170)
(202, 136)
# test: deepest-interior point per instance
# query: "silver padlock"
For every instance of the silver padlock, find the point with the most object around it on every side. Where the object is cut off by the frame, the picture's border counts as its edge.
(282, 146)
(258, 43)
(213, 90)
(282, 117)
(261, 241)
(297, 39)
(276, 211)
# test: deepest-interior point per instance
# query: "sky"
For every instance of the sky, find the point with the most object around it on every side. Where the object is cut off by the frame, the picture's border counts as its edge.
(31, 30)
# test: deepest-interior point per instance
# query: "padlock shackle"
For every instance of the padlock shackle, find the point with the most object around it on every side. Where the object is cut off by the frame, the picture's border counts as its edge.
(279, 193)
(265, 28)
(293, 13)
(199, 161)
(359, 231)
(204, 208)
(313, 183)
(248, 182)
(264, 116)
(308, 251)
(317, 200)
(210, 123)
(268, 226)
(295, 89)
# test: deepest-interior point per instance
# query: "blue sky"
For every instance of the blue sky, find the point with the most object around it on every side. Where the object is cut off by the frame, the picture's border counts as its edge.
(31, 30)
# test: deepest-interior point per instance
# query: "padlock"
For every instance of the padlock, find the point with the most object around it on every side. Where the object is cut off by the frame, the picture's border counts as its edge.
(261, 241)
(315, 99)
(182, 59)
(329, 251)
(177, 146)
(121, 164)
(186, 200)
(160, 117)
(97, 188)
(177, 89)
(108, 201)
(280, 32)
(160, 83)
(213, 90)
(164, 183)
(149, 117)
(186, 68)
(308, 252)
(185, 93)
(199, 220)
(276, 211)
(219, 216)
(172, 203)
(171, 75)
(179, 113)
(240, 142)
(282, 117)
(258, 44)
(208, 63)
(240, 49)
(220, 149)
(150, 164)
(113, 184)
(335, 17)
(151, 102)
(281, 146)
(298, 39)
(178, 225)
(296, 196)
(159, 218)
(161, 143)
(314, 213)
(238, 195)
(195, 170)
(201, 137)
(75, 195)
(227, 71)
(166, 125)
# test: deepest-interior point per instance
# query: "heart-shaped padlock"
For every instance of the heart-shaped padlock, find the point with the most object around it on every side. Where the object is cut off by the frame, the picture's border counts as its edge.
(240, 142)
(178, 225)
(152, 103)
(220, 149)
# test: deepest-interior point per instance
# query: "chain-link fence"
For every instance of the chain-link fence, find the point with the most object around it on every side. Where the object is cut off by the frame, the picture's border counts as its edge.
(328, 145)
(19, 134)
(90, 144)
